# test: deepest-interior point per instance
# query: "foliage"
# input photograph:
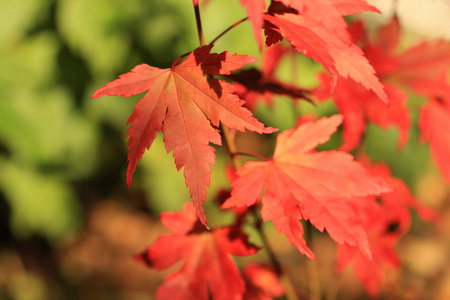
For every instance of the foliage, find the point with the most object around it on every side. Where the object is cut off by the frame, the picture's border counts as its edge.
(337, 93)
(326, 188)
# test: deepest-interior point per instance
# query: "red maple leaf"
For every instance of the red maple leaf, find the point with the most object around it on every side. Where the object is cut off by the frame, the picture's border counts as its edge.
(434, 123)
(360, 106)
(301, 184)
(400, 195)
(338, 57)
(421, 68)
(328, 14)
(386, 221)
(206, 255)
(185, 105)
(384, 227)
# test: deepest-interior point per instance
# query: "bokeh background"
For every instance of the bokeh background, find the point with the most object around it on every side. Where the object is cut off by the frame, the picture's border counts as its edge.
(69, 226)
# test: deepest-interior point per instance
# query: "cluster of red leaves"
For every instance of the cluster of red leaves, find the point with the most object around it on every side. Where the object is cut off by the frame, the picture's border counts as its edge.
(422, 69)
(385, 219)
(207, 263)
(329, 189)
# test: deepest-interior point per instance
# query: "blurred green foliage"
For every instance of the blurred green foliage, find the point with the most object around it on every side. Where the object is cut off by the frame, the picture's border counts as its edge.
(55, 140)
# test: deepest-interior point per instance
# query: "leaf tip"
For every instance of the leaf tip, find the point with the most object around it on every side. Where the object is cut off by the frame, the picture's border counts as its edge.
(130, 172)
(97, 93)
(202, 217)
(335, 120)
(270, 130)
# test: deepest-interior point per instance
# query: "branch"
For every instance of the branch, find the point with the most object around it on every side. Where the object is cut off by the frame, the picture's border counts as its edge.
(226, 30)
(199, 24)
(251, 154)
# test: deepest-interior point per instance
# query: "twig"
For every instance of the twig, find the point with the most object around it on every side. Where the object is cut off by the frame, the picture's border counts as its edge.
(199, 24)
(262, 157)
(226, 30)
(311, 268)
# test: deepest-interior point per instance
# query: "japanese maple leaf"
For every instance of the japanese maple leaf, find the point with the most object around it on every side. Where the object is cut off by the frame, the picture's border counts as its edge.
(311, 39)
(386, 221)
(206, 255)
(434, 124)
(301, 184)
(401, 195)
(420, 68)
(360, 106)
(186, 106)
(384, 227)
(328, 13)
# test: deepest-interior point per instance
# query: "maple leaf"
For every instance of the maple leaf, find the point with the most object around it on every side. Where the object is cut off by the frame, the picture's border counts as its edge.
(400, 195)
(184, 104)
(301, 184)
(386, 221)
(434, 124)
(318, 30)
(384, 227)
(424, 69)
(329, 13)
(360, 106)
(311, 39)
(206, 255)
(420, 68)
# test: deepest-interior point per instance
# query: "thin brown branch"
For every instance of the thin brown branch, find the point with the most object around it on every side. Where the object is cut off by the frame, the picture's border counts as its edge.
(251, 154)
(311, 268)
(226, 30)
(199, 24)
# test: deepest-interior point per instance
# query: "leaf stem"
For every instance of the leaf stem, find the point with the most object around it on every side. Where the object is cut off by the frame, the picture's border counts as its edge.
(199, 23)
(200, 33)
(226, 30)
(252, 154)
(231, 146)
(267, 246)
(201, 37)
(285, 281)
(311, 268)
(179, 58)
